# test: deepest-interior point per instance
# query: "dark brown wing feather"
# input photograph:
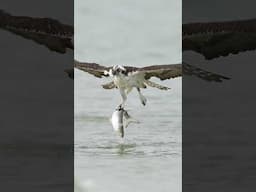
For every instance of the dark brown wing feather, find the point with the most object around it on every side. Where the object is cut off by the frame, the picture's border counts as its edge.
(130, 69)
(92, 68)
(162, 72)
(217, 39)
(49, 32)
(242, 26)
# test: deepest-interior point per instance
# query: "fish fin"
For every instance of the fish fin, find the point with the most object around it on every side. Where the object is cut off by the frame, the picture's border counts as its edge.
(130, 120)
(126, 124)
(121, 132)
(126, 115)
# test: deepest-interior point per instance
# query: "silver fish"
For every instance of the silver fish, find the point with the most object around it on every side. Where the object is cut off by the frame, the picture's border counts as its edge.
(121, 119)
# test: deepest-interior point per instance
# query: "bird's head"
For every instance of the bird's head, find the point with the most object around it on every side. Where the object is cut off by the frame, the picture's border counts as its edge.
(118, 69)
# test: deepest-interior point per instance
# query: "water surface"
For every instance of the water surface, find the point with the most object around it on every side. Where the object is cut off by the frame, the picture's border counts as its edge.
(138, 34)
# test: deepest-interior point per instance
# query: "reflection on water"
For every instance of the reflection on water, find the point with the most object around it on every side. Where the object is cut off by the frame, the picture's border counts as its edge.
(149, 157)
(149, 152)
(123, 149)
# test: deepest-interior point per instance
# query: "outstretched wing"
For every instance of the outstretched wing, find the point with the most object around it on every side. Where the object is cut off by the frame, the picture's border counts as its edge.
(162, 72)
(202, 74)
(217, 39)
(92, 68)
(46, 31)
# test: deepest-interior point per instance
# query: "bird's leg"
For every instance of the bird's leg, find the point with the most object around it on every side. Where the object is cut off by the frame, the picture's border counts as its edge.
(142, 98)
(128, 90)
(124, 97)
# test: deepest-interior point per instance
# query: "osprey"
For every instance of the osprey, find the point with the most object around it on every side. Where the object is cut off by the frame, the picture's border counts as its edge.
(125, 78)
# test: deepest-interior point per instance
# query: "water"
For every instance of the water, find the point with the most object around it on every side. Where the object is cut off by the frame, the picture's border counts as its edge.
(136, 33)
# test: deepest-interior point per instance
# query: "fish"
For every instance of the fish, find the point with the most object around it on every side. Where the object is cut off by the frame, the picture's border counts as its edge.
(121, 119)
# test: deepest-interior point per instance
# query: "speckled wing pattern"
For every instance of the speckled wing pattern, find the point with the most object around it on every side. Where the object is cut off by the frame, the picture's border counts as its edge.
(162, 72)
(92, 68)
(217, 39)
(46, 31)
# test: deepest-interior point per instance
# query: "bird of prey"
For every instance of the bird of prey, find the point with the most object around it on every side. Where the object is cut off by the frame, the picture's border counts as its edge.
(125, 78)
(212, 40)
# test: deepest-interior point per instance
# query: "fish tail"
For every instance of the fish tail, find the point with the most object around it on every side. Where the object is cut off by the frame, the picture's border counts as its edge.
(122, 132)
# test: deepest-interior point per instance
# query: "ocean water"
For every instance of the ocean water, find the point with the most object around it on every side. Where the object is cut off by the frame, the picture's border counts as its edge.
(136, 33)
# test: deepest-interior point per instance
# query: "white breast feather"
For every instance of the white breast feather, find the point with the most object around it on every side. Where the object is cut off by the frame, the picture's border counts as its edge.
(133, 79)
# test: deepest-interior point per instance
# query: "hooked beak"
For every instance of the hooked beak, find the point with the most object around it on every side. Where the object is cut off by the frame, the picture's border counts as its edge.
(114, 72)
